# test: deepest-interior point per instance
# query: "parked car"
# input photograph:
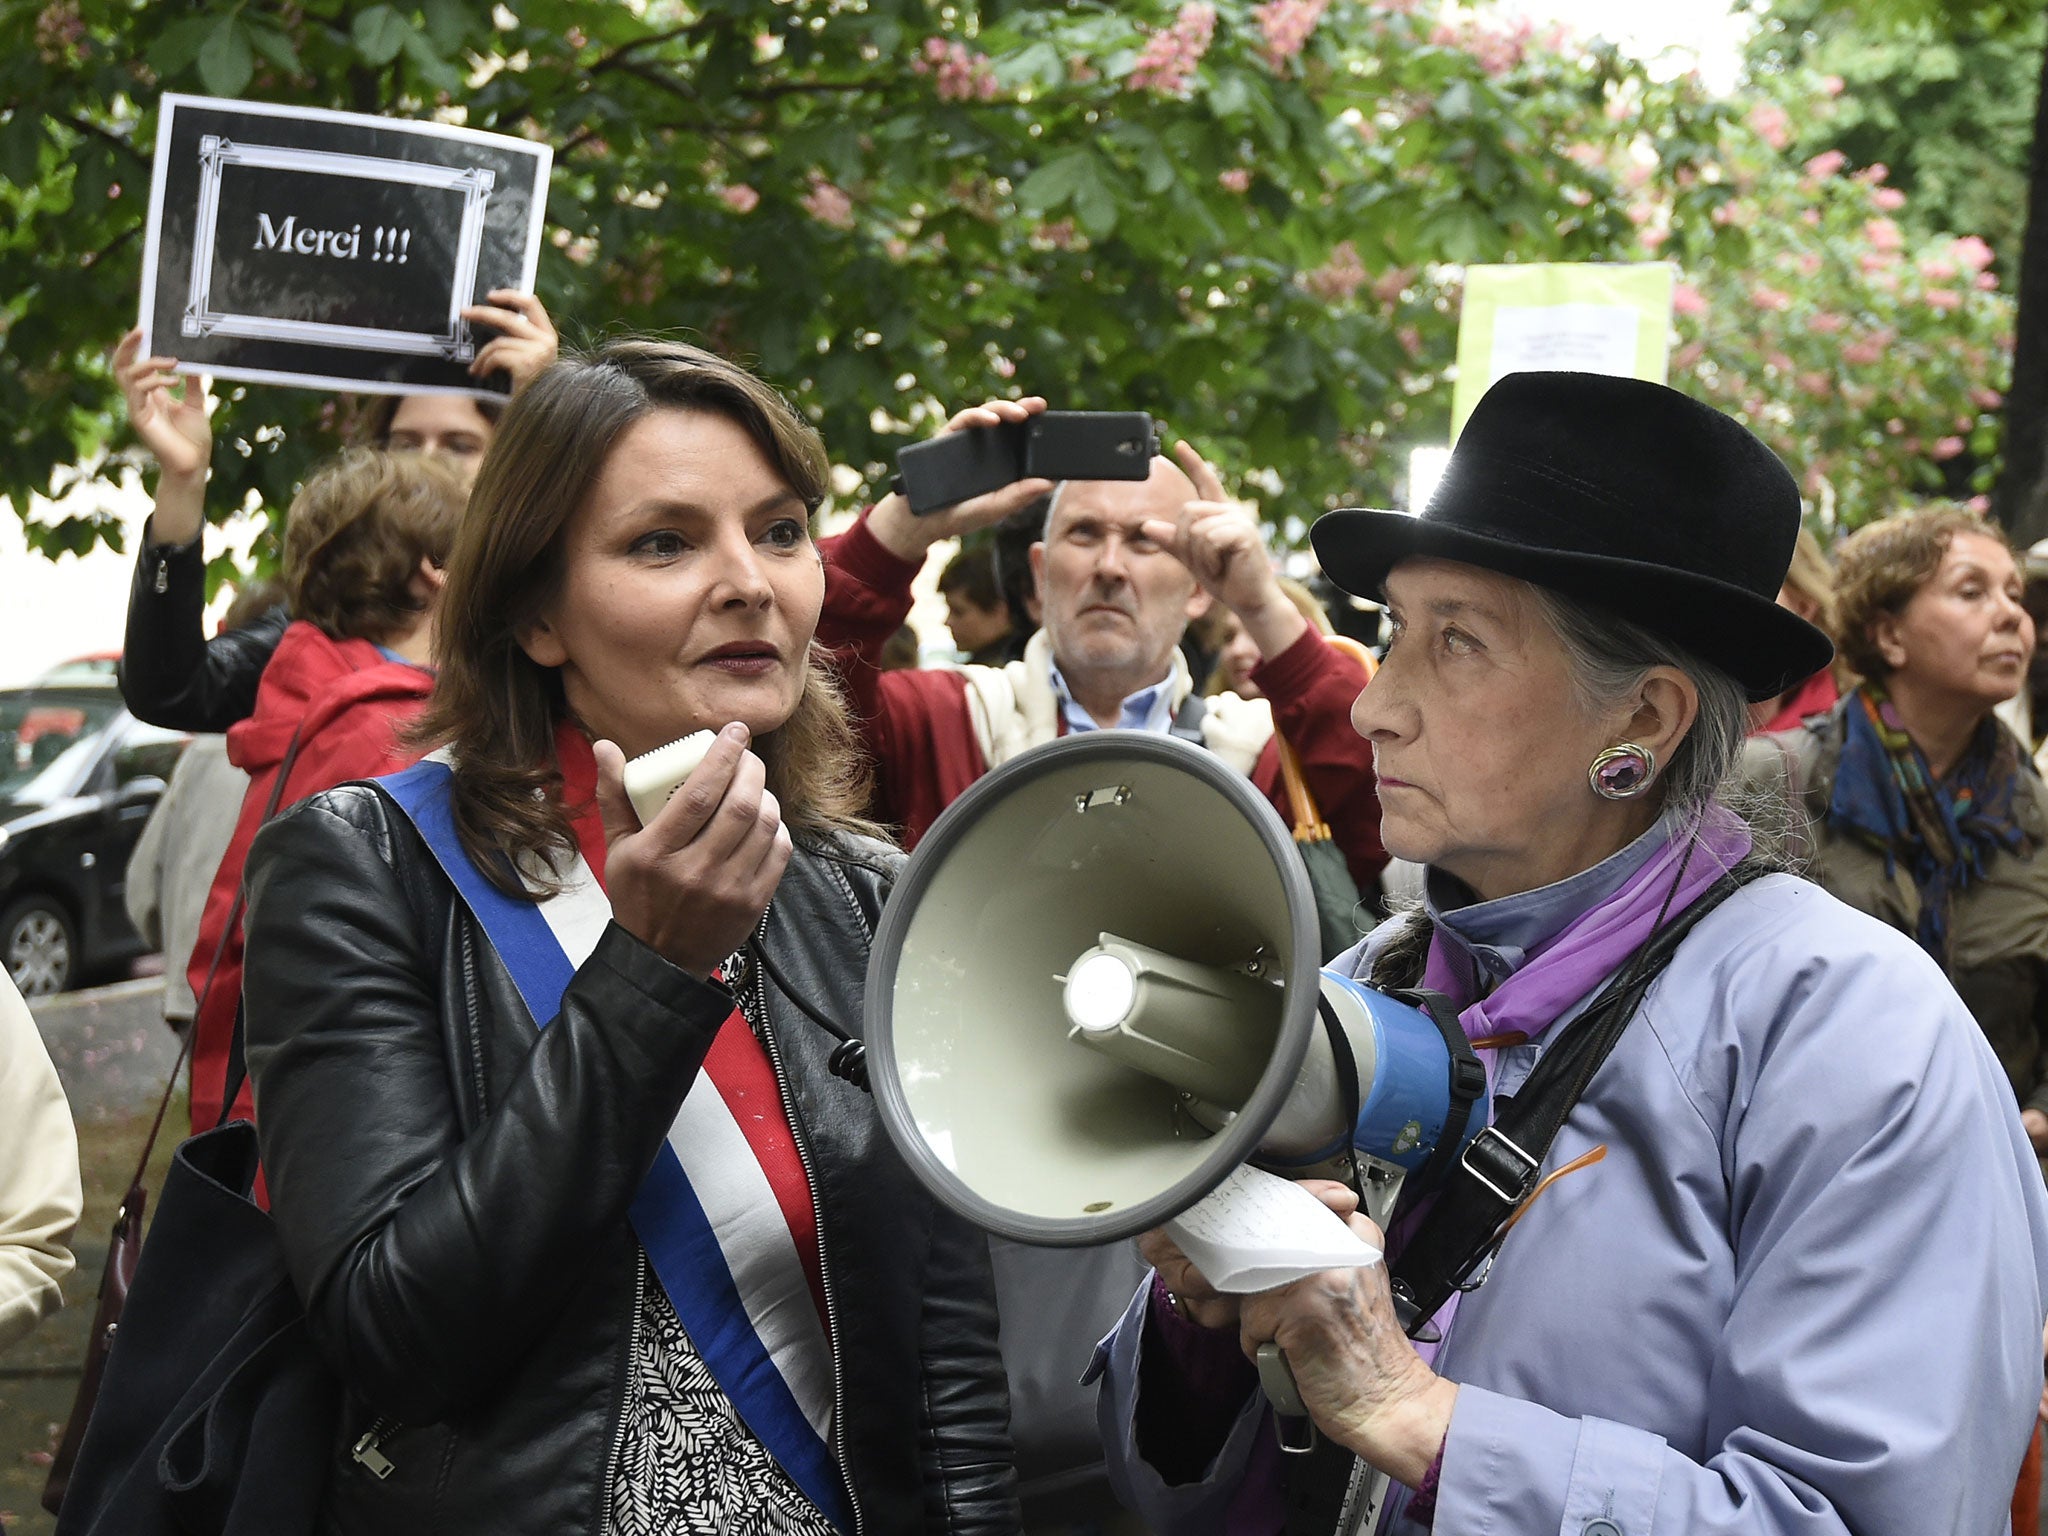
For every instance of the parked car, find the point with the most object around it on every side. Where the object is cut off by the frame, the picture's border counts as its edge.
(79, 776)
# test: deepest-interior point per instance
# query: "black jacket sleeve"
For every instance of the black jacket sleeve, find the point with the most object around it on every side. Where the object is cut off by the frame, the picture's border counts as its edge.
(430, 1260)
(969, 1469)
(171, 674)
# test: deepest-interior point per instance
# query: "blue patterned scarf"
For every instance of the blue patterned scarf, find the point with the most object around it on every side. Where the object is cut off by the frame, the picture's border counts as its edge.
(1944, 831)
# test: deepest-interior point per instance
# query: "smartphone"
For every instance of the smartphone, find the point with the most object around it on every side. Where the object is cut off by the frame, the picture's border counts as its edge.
(1053, 445)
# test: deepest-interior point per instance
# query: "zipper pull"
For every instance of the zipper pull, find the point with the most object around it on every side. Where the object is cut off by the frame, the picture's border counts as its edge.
(163, 576)
(365, 1452)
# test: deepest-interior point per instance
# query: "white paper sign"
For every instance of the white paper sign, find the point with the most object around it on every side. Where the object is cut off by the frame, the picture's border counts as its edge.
(1571, 338)
(1258, 1231)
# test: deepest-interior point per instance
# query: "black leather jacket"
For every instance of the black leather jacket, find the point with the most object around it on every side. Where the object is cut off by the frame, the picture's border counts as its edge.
(451, 1190)
(171, 674)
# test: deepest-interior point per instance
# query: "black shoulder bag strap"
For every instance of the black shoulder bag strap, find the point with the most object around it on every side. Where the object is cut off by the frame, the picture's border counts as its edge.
(1187, 720)
(1498, 1172)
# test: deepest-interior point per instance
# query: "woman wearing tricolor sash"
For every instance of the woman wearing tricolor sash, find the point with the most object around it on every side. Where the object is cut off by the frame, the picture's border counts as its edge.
(593, 1231)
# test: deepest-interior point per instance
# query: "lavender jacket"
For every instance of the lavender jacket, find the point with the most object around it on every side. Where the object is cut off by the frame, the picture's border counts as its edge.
(1803, 1293)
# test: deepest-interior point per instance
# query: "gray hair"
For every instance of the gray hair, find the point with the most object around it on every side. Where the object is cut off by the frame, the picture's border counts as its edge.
(1052, 505)
(1609, 658)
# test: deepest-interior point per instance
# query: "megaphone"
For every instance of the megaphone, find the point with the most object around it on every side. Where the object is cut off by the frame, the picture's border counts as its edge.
(1096, 991)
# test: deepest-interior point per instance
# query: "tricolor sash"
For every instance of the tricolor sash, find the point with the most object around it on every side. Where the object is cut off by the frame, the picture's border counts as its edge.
(713, 1222)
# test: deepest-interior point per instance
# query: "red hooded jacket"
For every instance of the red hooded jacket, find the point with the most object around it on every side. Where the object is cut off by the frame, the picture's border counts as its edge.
(345, 703)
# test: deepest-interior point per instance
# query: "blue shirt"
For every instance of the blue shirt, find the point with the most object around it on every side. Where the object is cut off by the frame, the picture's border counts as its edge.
(1802, 1294)
(1149, 709)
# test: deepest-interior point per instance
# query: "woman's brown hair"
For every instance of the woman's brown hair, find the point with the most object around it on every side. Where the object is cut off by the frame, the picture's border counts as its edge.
(369, 426)
(1881, 565)
(495, 706)
(356, 534)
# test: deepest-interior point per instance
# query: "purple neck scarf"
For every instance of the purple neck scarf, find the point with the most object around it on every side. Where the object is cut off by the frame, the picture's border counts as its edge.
(1580, 957)
(1593, 945)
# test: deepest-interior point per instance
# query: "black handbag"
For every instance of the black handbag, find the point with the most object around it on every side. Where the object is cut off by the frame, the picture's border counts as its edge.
(215, 1414)
(204, 1409)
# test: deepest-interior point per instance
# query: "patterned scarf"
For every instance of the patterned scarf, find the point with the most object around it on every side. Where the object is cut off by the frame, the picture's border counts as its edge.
(1944, 831)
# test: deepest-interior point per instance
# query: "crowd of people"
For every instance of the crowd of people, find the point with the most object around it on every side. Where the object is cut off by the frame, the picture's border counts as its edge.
(1720, 851)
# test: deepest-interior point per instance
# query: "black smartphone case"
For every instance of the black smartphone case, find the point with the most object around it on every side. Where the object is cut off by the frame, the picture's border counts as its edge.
(1054, 445)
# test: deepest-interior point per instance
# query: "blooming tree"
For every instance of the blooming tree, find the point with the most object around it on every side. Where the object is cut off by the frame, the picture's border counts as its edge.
(1248, 216)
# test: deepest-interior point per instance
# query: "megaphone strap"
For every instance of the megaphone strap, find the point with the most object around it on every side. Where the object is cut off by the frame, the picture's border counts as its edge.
(1497, 1173)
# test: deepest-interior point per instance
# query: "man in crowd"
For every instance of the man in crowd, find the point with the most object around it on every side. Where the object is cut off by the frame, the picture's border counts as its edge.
(1122, 568)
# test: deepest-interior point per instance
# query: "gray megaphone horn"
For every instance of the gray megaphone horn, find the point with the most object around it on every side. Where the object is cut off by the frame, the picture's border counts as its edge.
(1097, 990)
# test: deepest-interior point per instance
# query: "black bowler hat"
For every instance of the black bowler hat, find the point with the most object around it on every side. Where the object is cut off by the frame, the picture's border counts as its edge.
(1624, 495)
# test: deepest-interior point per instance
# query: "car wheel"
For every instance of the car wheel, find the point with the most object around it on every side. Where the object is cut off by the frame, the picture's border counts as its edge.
(38, 946)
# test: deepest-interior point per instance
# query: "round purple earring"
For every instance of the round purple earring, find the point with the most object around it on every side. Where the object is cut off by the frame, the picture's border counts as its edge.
(1623, 772)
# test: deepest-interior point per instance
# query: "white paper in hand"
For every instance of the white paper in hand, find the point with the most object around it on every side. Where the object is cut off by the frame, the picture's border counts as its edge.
(1258, 1231)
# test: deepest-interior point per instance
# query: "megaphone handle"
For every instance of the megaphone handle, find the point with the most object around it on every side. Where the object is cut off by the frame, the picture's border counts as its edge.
(1276, 1379)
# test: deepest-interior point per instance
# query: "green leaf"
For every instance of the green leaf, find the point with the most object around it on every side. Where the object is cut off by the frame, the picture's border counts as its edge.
(379, 33)
(1056, 181)
(275, 46)
(178, 47)
(225, 60)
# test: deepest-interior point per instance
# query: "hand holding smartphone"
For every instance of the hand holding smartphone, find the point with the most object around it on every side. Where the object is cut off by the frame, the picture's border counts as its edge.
(1052, 445)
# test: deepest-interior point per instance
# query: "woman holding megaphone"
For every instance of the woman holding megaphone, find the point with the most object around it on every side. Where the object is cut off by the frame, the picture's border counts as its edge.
(1776, 1262)
(595, 1224)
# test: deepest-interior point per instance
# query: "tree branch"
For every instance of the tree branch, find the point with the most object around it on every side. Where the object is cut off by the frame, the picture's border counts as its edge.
(619, 55)
(93, 130)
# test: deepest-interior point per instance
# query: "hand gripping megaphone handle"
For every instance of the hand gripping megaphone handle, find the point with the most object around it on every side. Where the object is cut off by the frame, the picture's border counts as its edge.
(1276, 1380)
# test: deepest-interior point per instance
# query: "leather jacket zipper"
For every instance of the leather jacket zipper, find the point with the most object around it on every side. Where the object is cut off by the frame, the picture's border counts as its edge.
(759, 993)
(611, 1460)
(365, 1453)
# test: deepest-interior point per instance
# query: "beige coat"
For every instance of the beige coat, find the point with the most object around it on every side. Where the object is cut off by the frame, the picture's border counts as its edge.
(1998, 930)
(40, 1194)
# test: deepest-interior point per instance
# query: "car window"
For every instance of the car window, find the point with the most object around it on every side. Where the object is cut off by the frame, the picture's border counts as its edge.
(149, 752)
(46, 741)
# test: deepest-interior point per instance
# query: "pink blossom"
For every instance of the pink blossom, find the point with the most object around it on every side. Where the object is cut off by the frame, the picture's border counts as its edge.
(1585, 154)
(1391, 284)
(1861, 354)
(1688, 300)
(1883, 234)
(1780, 361)
(1825, 323)
(961, 74)
(1874, 173)
(1338, 278)
(1979, 504)
(1937, 270)
(1810, 217)
(1653, 239)
(1764, 297)
(1687, 356)
(740, 197)
(1971, 253)
(827, 203)
(1167, 62)
(1410, 339)
(1987, 398)
(1287, 25)
(1889, 199)
(1987, 281)
(1816, 384)
(1059, 236)
(1826, 164)
(1640, 214)
(1943, 299)
(1771, 124)
(1808, 263)
(1236, 179)
(1946, 448)
(1831, 85)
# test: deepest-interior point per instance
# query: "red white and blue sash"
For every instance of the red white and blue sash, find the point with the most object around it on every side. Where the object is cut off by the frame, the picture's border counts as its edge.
(725, 1214)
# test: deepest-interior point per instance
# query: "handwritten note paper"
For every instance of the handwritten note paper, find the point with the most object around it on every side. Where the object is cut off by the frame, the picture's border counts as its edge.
(1258, 1231)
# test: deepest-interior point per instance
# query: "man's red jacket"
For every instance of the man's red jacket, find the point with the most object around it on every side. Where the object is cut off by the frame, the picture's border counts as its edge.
(345, 702)
(918, 723)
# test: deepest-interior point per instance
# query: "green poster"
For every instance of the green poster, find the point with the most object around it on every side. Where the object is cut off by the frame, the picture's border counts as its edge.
(1579, 317)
